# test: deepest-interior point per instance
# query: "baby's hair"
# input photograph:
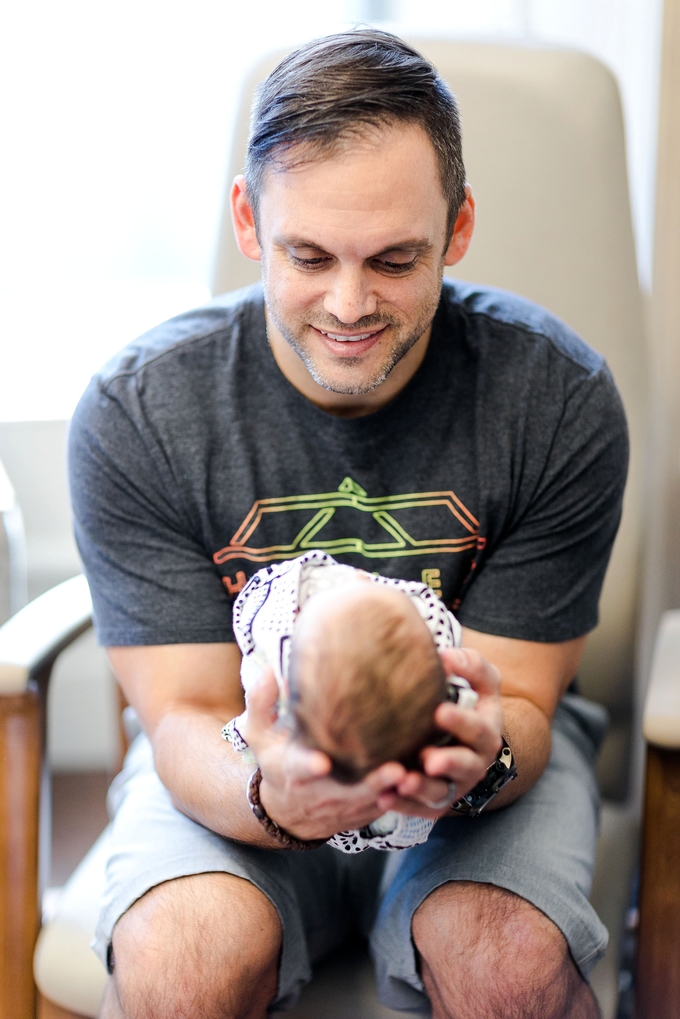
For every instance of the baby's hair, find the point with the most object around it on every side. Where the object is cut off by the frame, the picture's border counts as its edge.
(365, 678)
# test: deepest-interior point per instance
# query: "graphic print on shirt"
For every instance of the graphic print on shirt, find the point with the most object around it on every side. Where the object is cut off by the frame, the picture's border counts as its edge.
(307, 522)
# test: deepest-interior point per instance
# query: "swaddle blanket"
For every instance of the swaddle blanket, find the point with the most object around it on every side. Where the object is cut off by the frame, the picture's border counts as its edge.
(264, 619)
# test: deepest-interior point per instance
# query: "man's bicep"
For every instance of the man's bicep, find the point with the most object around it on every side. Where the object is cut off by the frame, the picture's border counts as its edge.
(166, 677)
(540, 574)
(538, 672)
(147, 559)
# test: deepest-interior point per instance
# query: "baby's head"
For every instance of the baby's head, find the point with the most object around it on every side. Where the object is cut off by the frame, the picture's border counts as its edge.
(365, 677)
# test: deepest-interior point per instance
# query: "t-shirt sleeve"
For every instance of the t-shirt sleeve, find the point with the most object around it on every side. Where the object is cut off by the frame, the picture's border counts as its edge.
(150, 574)
(541, 575)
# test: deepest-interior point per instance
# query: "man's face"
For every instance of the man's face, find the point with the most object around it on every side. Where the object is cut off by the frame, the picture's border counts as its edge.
(352, 250)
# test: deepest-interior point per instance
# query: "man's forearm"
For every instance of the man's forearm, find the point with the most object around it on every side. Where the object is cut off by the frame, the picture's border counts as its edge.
(205, 776)
(527, 730)
(535, 676)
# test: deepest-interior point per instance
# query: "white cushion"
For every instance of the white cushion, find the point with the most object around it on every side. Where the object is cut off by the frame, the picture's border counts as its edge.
(66, 970)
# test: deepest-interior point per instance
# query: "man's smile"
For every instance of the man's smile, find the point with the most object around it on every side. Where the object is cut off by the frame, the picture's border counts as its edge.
(346, 337)
(354, 343)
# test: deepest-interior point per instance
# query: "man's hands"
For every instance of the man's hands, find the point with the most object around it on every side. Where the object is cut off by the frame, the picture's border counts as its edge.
(295, 790)
(184, 693)
(298, 795)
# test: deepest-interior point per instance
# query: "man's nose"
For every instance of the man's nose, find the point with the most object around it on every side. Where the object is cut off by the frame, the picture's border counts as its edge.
(349, 296)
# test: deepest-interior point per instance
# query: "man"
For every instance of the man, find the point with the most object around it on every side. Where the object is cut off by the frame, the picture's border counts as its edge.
(459, 436)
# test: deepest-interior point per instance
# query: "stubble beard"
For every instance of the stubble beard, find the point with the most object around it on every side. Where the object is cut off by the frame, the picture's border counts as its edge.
(356, 387)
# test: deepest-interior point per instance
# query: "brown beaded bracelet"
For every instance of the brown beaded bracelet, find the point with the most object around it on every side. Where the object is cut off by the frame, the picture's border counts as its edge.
(284, 839)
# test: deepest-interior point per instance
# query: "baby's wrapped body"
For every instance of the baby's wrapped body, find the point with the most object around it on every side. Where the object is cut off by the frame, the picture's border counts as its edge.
(356, 659)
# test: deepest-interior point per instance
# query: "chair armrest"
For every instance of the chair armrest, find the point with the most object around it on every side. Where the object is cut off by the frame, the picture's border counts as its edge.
(658, 975)
(35, 635)
(29, 643)
(661, 720)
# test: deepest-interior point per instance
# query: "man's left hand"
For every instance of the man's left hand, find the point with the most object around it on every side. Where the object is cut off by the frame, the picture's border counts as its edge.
(478, 734)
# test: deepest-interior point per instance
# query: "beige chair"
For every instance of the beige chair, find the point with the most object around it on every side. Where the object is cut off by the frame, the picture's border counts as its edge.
(544, 149)
(12, 551)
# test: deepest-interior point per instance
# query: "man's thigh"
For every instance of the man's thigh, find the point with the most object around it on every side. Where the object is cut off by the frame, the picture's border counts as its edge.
(542, 848)
(319, 896)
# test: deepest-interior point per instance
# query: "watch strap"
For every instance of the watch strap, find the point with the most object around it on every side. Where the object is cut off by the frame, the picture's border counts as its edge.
(501, 771)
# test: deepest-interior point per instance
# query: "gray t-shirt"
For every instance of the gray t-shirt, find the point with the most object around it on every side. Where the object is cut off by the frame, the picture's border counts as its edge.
(495, 476)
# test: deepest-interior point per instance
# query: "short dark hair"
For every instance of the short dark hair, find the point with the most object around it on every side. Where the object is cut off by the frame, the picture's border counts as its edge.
(342, 84)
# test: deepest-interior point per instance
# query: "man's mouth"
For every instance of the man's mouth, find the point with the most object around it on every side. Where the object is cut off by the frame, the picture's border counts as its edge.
(351, 337)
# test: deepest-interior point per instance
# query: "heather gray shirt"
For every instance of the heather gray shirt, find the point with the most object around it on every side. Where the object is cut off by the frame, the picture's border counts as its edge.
(495, 476)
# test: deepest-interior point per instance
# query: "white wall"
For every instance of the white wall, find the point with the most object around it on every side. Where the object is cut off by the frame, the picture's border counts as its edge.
(114, 146)
(624, 34)
(82, 724)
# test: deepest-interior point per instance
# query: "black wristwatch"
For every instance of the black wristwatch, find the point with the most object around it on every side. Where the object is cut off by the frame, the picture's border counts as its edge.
(502, 771)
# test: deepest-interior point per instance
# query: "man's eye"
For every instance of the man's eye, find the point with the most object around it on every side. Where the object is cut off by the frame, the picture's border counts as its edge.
(310, 263)
(384, 265)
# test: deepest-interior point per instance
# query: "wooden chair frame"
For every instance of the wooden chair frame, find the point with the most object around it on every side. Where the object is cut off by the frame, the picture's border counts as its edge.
(30, 643)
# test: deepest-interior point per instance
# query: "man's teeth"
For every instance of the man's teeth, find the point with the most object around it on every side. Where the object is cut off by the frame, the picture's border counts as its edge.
(347, 339)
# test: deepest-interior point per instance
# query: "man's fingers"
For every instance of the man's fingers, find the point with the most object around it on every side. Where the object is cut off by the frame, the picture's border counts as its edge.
(303, 765)
(468, 663)
(262, 698)
(458, 764)
(479, 728)
(387, 776)
(422, 788)
(405, 805)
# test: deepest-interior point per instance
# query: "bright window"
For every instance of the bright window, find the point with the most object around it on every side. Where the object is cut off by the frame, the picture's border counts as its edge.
(115, 130)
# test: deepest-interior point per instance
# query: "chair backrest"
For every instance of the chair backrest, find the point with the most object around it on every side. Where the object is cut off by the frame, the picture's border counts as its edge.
(544, 150)
(12, 551)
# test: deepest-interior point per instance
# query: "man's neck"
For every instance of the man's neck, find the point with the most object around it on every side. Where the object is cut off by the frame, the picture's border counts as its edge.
(344, 404)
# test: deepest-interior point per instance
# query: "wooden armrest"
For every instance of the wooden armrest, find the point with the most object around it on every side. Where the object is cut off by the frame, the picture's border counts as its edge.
(661, 721)
(658, 974)
(29, 644)
(34, 636)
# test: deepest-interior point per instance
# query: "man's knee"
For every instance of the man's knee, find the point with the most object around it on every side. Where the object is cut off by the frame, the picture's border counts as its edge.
(485, 951)
(204, 946)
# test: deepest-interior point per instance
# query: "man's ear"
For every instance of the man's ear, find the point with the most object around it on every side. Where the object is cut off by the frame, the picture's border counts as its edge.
(243, 220)
(462, 230)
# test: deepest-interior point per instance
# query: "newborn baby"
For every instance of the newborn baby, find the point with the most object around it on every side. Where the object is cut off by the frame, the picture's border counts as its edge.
(364, 677)
(356, 659)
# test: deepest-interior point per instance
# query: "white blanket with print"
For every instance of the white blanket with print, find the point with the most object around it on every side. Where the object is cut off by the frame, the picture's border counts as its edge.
(264, 619)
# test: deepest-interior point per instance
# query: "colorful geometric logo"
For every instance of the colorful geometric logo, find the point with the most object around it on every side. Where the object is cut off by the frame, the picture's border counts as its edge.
(320, 509)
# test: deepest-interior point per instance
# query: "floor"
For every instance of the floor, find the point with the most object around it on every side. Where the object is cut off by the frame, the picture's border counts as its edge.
(78, 817)
(344, 988)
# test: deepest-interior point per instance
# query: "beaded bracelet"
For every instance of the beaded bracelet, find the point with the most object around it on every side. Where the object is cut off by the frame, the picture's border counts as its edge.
(280, 835)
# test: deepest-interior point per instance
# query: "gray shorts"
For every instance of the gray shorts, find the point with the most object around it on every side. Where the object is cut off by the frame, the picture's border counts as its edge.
(541, 848)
